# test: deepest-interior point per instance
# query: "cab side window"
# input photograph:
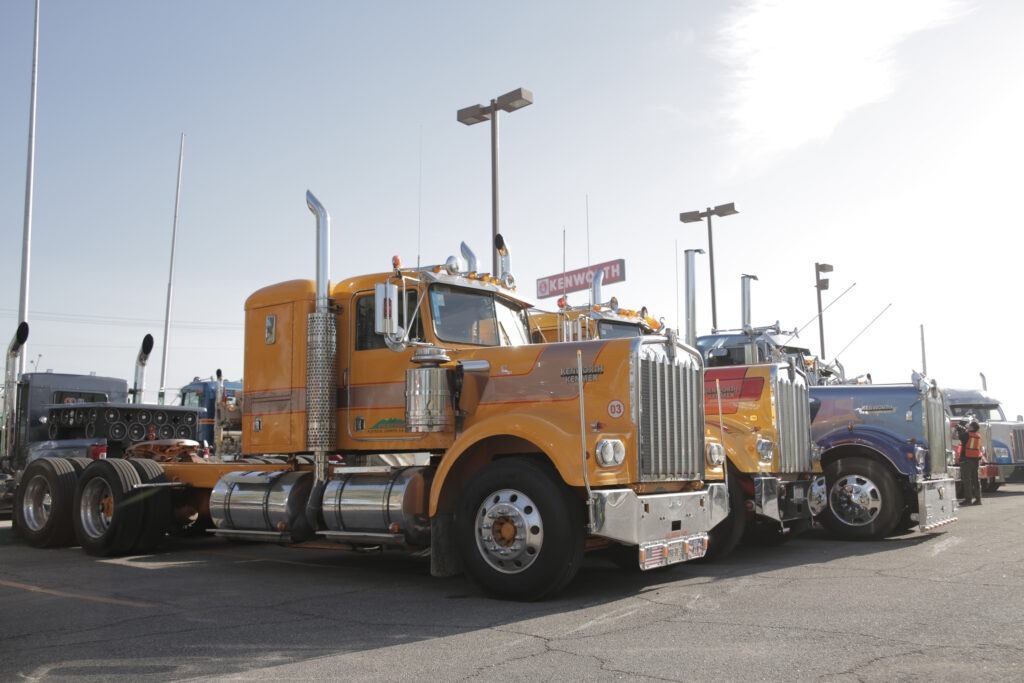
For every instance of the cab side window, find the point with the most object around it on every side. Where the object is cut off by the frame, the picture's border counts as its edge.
(366, 338)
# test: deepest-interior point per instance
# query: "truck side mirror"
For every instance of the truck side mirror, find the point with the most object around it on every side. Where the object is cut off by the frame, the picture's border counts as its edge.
(385, 309)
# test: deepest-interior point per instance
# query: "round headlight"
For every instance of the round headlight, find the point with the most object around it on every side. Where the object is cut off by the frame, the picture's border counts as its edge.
(765, 450)
(715, 453)
(920, 456)
(815, 453)
(610, 452)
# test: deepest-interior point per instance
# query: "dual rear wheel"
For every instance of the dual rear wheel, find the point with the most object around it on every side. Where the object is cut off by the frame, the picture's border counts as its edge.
(43, 503)
(103, 505)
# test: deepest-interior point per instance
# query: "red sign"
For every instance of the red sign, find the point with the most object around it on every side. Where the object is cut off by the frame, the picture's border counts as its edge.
(580, 279)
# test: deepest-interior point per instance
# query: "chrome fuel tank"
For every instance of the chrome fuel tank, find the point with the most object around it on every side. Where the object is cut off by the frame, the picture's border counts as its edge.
(384, 501)
(427, 400)
(260, 501)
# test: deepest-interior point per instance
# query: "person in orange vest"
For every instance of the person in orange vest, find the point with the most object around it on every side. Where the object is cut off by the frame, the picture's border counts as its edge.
(970, 458)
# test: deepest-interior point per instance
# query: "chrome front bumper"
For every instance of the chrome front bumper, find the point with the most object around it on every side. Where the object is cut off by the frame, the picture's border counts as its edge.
(936, 503)
(782, 501)
(666, 527)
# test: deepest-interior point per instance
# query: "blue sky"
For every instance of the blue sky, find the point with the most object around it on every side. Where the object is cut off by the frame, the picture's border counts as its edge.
(883, 138)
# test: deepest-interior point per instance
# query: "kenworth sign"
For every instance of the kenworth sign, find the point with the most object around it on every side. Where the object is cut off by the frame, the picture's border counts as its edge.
(577, 280)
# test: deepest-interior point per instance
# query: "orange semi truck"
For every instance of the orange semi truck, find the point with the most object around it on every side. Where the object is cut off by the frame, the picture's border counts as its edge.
(763, 412)
(760, 413)
(409, 410)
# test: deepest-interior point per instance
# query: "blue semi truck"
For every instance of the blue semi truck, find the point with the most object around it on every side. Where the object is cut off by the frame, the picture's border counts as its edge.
(886, 452)
(886, 458)
(220, 426)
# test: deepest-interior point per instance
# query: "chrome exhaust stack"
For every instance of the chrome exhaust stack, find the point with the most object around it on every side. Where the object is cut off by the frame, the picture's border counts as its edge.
(505, 262)
(218, 419)
(470, 257)
(691, 297)
(140, 368)
(10, 389)
(321, 367)
(595, 288)
(745, 301)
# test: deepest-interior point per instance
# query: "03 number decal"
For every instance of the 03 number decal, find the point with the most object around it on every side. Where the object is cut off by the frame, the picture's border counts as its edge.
(616, 409)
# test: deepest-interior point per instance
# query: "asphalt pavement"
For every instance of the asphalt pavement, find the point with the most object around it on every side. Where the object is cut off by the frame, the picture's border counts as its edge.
(943, 606)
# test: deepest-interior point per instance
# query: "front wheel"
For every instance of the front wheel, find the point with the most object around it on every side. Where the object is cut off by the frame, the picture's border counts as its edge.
(864, 501)
(520, 531)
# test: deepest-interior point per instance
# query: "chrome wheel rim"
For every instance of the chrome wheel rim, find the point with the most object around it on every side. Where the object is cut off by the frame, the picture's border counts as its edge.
(510, 531)
(855, 500)
(97, 507)
(817, 498)
(38, 503)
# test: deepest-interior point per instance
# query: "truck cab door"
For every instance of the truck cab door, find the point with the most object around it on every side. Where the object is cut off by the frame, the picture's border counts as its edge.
(372, 401)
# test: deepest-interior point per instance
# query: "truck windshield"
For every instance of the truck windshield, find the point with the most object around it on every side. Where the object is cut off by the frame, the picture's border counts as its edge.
(980, 412)
(470, 317)
(615, 330)
(193, 399)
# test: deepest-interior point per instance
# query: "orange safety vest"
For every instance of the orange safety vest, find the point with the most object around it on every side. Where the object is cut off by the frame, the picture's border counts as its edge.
(973, 445)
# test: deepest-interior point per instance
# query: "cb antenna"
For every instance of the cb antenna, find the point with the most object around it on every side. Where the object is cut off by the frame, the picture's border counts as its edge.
(862, 331)
(797, 333)
(419, 203)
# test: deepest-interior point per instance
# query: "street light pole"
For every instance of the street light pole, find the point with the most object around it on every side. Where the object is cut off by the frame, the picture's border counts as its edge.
(494, 188)
(510, 101)
(821, 284)
(694, 216)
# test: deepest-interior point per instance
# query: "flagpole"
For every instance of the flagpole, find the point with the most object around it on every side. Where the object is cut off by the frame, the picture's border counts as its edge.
(26, 241)
(170, 278)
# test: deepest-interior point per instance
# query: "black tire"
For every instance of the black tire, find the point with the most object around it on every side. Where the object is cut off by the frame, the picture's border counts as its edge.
(724, 538)
(156, 506)
(519, 530)
(769, 534)
(79, 464)
(43, 503)
(108, 512)
(864, 500)
(905, 523)
(990, 486)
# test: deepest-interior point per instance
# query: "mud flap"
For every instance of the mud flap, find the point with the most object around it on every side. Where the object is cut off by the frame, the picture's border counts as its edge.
(444, 555)
(936, 503)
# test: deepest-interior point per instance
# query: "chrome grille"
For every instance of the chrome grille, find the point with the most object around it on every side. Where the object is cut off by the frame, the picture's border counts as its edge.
(793, 420)
(669, 411)
(938, 432)
(1018, 445)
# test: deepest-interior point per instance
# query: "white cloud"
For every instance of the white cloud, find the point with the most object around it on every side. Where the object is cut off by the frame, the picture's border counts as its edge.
(797, 68)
